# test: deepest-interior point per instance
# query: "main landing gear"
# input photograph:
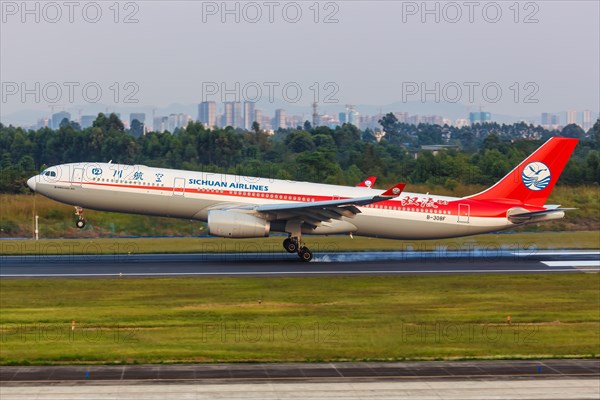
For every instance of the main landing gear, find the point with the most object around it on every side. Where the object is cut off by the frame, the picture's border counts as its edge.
(80, 220)
(293, 245)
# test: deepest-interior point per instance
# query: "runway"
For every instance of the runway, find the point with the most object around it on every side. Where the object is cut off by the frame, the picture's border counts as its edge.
(531, 379)
(302, 372)
(475, 261)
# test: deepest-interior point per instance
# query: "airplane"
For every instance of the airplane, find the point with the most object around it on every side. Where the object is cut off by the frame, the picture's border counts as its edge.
(236, 206)
(369, 182)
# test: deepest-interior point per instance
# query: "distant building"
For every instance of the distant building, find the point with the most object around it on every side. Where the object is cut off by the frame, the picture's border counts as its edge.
(550, 120)
(258, 117)
(249, 115)
(139, 116)
(42, 123)
(432, 120)
(342, 118)
(87, 121)
(140, 129)
(227, 117)
(480, 117)
(571, 117)
(353, 117)
(415, 119)
(58, 117)
(369, 121)
(176, 121)
(207, 113)
(279, 121)
(232, 115)
(160, 124)
(587, 120)
(401, 116)
(328, 120)
(461, 122)
(546, 118)
(238, 117)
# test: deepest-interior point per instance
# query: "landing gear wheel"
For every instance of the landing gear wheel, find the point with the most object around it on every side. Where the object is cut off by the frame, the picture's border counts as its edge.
(305, 254)
(290, 245)
(80, 220)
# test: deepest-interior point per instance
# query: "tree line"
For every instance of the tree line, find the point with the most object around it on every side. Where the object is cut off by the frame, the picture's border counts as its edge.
(345, 155)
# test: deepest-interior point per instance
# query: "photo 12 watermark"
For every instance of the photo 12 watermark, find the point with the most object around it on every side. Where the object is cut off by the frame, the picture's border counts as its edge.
(70, 12)
(470, 92)
(455, 12)
(270, 91)
(71, 332)
(69, 92)
(271, 12)
(448, 332)
(68, 251)
(327, 332)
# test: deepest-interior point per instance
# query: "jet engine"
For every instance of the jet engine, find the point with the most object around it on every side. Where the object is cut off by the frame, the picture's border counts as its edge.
(233, 224)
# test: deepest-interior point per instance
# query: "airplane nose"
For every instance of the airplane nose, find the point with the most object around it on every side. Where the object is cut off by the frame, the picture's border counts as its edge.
(31, 183)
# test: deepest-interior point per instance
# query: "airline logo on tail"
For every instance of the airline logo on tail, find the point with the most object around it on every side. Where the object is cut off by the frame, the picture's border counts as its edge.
(536, 176)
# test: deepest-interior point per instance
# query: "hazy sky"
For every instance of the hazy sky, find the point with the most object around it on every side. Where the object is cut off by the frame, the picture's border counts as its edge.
(543, 55)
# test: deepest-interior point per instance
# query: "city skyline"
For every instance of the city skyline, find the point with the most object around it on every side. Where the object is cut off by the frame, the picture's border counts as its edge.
(208, 111)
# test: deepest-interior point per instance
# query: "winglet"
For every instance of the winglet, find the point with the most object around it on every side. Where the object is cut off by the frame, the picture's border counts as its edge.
(395, 190)
(369, 182)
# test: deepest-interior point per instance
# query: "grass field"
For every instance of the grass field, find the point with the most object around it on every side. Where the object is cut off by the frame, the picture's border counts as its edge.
(298, 319)
(524, 242)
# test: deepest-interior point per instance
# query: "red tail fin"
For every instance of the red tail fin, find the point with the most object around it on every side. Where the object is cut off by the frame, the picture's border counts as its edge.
(532, 181)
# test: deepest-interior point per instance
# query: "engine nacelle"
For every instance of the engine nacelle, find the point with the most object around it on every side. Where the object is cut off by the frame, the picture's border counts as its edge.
(233, 224)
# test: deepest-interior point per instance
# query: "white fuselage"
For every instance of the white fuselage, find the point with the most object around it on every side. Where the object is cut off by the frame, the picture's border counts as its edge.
(191, 195)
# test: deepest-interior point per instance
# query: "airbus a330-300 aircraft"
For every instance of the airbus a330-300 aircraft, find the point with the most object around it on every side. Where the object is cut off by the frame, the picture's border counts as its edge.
(247, 207)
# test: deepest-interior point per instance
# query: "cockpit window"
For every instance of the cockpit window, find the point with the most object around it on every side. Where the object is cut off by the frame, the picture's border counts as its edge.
(49, 173)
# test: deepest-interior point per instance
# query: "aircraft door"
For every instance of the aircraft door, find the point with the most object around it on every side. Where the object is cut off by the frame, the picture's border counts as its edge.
(179, 187)
(463, 213)
(77, 177)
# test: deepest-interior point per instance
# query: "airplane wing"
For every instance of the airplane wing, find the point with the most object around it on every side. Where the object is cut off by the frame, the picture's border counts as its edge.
(314, 213)
(321, 211)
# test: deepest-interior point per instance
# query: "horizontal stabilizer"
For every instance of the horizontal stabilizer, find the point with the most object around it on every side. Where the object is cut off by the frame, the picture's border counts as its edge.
(517, 217)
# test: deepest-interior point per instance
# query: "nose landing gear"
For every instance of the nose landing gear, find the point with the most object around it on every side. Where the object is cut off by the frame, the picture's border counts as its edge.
(80, 223)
